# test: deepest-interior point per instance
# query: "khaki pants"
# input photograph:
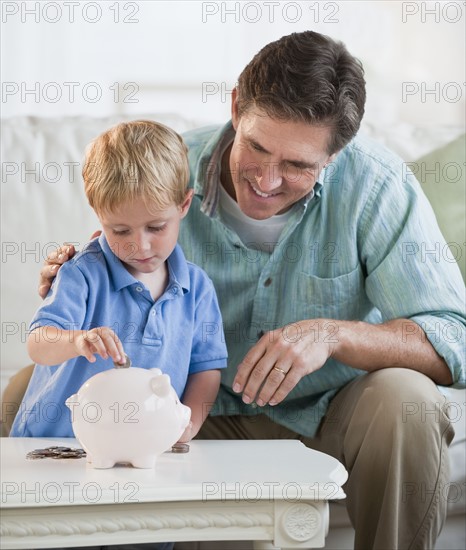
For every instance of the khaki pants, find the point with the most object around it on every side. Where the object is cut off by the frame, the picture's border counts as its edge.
(391, 431)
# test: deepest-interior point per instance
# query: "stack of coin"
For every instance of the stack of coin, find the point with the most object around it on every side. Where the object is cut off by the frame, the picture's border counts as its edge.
(56, 452)
(180, 448)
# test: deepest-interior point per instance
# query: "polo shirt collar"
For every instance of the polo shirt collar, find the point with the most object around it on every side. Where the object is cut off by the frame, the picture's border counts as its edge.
(119, 275)
(178, 273)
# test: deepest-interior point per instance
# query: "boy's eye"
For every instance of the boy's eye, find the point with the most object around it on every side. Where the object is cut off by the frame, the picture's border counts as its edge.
(120, 231)
(157, 229)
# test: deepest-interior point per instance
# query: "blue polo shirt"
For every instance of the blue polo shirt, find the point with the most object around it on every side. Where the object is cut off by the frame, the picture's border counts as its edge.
(180, 333)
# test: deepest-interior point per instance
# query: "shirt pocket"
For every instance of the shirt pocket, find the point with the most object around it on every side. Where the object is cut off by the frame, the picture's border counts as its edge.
(341, 297)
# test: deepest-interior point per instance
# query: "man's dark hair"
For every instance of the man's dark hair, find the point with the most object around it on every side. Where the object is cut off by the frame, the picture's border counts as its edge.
(307, 77)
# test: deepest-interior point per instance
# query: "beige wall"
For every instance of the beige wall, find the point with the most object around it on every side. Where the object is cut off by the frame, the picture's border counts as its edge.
(185, 56)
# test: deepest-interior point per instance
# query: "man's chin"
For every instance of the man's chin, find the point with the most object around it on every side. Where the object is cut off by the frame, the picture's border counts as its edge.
(261, 212)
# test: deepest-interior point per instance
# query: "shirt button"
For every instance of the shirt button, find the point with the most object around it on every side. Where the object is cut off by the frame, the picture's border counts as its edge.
(254, 405)
(175, 290)
(152, 312)
(139, 288)
(268, 281)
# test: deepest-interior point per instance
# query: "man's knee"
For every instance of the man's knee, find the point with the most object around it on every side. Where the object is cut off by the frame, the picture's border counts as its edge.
(405, 400)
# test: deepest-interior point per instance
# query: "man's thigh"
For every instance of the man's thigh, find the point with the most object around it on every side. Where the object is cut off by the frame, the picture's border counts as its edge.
(354, 405)
(244, 427)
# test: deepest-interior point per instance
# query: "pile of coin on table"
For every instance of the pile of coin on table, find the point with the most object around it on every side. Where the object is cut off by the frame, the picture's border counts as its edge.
(68, 452)
(56, 452)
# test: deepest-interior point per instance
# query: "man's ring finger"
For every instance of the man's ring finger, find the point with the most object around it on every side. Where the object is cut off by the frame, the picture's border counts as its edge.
(280, 370)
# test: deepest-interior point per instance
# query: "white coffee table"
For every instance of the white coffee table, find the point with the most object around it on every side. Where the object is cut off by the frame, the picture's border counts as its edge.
(273, 492)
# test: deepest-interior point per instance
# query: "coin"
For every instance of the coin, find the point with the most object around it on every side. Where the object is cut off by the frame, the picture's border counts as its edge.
(35, 456)
(180, 448)
(126, 364)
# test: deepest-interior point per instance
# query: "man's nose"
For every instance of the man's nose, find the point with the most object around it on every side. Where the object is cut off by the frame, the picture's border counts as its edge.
(268, 177)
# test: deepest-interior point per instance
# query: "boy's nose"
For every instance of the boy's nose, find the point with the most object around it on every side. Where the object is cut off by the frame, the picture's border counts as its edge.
(143, 243)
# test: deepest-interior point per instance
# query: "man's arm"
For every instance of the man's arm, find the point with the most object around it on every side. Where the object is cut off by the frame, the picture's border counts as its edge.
(283, 356)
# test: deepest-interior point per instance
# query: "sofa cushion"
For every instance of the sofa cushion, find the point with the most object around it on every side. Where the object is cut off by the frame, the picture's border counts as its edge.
(441, 174)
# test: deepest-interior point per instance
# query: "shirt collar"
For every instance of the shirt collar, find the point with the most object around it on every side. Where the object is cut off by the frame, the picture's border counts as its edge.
(178, 273)
(208, 174)
(119, 275)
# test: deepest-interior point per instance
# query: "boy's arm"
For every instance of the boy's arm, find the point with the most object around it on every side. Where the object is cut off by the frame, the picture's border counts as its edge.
(199, 394)
(49, 345)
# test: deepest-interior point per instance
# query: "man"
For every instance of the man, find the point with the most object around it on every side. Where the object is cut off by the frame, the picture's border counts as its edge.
(330, 324)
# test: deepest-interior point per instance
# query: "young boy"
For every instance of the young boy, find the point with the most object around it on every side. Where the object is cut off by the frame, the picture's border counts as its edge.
(129, 291)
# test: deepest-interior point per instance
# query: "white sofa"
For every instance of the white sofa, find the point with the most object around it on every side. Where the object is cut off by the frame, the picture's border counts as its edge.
(43, 205)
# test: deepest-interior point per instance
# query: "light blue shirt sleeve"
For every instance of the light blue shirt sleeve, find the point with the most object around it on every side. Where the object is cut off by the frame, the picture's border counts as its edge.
(409, 273)
(65, 305)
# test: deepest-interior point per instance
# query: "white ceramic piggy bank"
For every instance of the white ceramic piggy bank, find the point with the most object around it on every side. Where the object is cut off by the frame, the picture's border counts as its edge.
(129, 415)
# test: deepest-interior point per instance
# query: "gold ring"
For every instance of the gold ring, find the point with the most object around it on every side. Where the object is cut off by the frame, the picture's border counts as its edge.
(280, 370)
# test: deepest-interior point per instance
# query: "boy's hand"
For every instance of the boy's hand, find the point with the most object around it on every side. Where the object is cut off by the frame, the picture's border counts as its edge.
(101, 341)
(53, 262)
(187, 435)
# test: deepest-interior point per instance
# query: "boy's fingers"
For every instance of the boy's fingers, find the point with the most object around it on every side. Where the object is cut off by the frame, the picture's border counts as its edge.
(112, 344)
(96, 344)
(85, 349)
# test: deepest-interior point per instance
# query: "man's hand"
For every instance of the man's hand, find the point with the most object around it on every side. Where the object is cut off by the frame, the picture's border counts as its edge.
(273, 367)
(52, 264)
(101, 341)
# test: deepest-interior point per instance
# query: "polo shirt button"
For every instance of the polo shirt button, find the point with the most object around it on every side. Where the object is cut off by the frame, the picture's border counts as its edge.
(152, 312)
(268, 281)
(175, 290)
(139, 288)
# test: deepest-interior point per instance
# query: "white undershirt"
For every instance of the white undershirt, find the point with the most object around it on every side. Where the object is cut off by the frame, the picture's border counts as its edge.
(257, 234)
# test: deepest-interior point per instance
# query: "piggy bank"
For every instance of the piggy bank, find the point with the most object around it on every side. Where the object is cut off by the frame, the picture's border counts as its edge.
(129, 415)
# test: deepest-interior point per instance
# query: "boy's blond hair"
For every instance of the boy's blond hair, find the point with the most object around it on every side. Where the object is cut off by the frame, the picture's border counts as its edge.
(139, 159)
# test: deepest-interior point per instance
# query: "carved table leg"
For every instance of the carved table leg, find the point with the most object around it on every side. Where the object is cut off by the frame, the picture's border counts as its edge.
(300, 524)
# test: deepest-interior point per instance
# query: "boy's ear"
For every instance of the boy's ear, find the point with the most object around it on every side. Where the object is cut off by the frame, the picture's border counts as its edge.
(187, 202)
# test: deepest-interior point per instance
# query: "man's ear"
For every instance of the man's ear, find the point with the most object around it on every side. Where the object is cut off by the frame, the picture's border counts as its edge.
(184, 207)
(330, 159)
(234, 108)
